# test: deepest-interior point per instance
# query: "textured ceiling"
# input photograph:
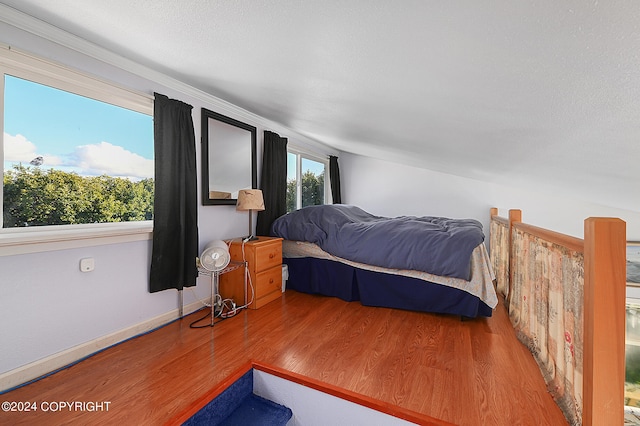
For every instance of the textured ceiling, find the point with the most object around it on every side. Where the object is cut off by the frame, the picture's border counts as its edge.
(544, 94)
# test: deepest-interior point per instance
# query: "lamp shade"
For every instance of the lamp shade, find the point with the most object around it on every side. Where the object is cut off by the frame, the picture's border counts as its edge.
(250, 199)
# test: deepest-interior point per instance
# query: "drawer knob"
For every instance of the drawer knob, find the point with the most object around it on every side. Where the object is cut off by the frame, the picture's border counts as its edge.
(271, 255)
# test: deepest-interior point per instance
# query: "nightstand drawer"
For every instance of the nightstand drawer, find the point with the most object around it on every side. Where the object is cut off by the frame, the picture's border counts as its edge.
(268, 281)
(268, 256)
(264, 263)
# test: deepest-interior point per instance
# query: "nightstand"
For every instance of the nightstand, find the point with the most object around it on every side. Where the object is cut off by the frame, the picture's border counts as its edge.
(264, 263)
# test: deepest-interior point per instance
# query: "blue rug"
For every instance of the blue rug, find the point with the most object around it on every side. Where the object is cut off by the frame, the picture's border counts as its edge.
(257, 411)
(237, 405)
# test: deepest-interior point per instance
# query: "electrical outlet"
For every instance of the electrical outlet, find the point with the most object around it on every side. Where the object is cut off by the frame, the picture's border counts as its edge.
(87, 264)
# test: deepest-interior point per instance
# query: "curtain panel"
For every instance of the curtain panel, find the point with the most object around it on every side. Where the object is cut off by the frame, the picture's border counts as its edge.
(334, 177)
(546, 310)
(273, 181)
(175, 218)
(499, 244)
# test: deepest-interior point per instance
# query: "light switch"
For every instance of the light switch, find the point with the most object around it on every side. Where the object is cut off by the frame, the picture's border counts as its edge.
(87, 264)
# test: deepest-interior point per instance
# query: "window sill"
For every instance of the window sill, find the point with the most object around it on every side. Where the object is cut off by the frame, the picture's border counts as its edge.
(50, 238)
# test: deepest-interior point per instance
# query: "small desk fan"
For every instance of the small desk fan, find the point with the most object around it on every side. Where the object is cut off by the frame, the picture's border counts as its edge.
(215, 256)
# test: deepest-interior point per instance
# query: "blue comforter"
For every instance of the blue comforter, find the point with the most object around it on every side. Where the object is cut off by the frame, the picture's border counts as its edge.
(436, 245)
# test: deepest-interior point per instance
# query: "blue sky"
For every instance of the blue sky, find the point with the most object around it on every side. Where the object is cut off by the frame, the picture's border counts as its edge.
(315, 167)
(74, 133)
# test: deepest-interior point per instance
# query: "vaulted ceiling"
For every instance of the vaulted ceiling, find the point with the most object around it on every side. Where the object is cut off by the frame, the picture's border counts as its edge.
(544, 94)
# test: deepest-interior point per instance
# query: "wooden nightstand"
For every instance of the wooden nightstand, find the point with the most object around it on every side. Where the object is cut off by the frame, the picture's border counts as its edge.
(264, 263)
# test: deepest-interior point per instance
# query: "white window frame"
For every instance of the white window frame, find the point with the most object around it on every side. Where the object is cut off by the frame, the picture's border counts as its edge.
(57, 237)
(301, 153)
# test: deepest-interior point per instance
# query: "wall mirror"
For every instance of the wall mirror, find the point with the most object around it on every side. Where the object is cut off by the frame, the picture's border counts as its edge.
(228, 158)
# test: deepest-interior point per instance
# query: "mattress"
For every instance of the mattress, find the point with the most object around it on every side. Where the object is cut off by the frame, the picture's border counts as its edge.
(480, 285)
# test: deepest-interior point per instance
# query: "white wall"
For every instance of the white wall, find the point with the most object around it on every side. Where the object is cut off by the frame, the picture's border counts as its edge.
(390, 189)
(47, 305)
(312, 407)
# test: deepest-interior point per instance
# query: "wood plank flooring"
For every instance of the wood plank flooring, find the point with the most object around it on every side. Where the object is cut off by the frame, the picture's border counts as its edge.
(461, 372)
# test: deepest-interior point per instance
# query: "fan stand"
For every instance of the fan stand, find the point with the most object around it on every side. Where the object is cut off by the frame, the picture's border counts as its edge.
(215, 283)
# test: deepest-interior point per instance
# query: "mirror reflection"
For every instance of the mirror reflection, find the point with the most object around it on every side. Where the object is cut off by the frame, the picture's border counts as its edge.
(228, 158)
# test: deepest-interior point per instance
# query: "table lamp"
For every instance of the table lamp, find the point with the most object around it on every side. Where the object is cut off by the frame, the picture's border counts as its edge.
(250, 200)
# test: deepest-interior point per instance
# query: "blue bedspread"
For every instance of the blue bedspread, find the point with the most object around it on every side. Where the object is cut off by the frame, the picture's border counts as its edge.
(436, 245)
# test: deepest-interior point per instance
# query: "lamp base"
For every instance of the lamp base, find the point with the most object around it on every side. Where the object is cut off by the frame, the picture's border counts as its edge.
(250, 237)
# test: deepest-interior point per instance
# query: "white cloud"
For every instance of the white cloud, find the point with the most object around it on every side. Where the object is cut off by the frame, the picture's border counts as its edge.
(112, 160)
(18, 149)
(97, 159)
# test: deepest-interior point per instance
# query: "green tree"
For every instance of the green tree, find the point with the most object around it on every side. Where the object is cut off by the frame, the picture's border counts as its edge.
(291, 195)
(312, 190)
(32, 196)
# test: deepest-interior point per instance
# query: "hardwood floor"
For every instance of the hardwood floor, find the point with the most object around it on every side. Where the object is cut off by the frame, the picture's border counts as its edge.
(462, 372)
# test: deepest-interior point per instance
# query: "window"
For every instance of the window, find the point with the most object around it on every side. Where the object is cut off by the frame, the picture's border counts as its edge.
(306, 183)
(75, 151)
(632, 338)
(632, 364)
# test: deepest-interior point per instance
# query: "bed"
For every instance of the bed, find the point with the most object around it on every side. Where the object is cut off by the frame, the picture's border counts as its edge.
(428, 264)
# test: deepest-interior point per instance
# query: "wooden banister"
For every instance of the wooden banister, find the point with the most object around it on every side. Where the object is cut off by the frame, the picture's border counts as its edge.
(499, 253)
(604, 321)
(515, 216)
(502, 220)
(572, 243)
(604, 252)
(493, 213)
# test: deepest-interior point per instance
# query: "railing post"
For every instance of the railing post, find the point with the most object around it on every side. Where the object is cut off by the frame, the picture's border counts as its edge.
(515, 216)
(604, 321)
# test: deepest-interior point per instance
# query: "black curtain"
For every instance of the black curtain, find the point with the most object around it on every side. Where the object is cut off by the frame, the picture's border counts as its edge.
(334, 177)
(175, 217)
(273, 181)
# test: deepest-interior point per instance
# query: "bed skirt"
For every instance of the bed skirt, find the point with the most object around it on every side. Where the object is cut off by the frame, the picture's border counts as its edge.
(330, 278)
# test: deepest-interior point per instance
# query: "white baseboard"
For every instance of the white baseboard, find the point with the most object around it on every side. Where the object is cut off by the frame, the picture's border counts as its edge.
(41, 367)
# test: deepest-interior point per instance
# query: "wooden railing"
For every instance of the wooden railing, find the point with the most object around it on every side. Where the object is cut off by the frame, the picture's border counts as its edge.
(566, 299)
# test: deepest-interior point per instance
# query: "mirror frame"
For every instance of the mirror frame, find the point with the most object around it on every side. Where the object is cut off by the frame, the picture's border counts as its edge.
(205, 116)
